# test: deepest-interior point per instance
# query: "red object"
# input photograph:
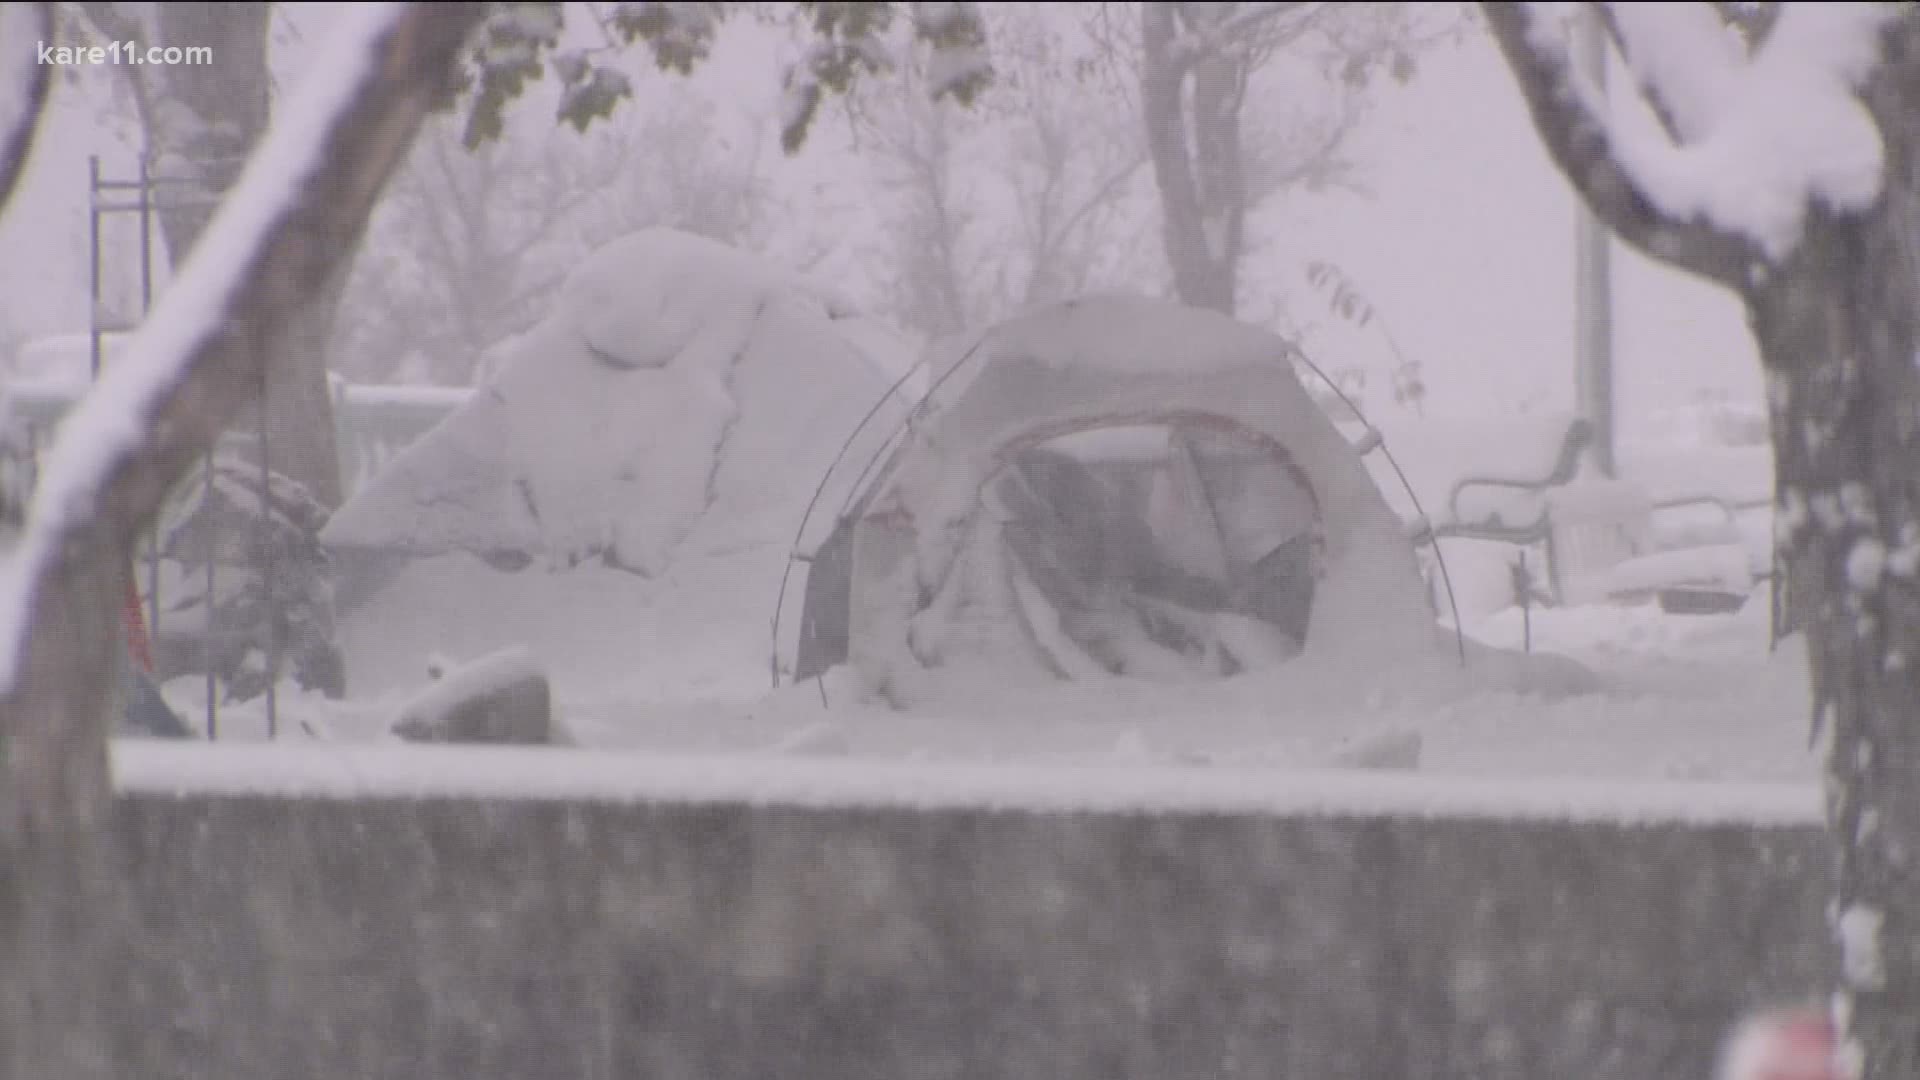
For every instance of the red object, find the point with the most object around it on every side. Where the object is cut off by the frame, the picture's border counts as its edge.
(1790, 1044)
(135, 621)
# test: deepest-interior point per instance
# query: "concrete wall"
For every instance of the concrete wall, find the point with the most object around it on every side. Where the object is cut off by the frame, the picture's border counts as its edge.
(426, 934)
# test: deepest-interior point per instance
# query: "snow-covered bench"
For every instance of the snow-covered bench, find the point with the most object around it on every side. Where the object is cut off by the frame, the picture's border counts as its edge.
(1603, 545)
(1670, 531)
(1512, 506)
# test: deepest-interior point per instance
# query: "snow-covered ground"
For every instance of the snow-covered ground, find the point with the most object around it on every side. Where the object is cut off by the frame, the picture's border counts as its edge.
(1698, 698)
(674, 653)
(1683, 698)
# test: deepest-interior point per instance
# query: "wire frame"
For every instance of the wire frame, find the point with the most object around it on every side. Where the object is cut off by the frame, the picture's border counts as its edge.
(142, 197)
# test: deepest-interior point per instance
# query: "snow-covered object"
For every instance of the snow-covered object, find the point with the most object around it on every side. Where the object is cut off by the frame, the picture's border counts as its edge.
(1793, 1044)
(676, 381)
(272, 585)
(500, 698)
(1606, 547)
(931, 587)
(1723, 568)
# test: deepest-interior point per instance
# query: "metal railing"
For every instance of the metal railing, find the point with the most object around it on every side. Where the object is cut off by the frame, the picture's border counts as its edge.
(223, 628)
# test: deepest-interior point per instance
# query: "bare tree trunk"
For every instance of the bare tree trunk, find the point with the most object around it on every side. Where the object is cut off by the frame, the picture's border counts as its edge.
(203, 119)
(57, 913)
(1196, 152)
(63, 930)
(303, 439)
(65, 960)
(1837, 326)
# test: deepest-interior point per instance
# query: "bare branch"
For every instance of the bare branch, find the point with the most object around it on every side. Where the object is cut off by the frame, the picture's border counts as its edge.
(17, 130)
(1582, 147)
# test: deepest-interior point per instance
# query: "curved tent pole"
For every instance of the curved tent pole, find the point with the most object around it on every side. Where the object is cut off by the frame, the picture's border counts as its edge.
(886, 446)
(1379, 441)
(820, 489)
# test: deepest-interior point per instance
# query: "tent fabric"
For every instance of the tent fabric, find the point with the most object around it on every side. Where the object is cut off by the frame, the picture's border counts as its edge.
(1308, 539)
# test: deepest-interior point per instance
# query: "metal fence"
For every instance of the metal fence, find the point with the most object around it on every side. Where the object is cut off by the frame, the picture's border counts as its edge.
(373, 424)
(228, 582)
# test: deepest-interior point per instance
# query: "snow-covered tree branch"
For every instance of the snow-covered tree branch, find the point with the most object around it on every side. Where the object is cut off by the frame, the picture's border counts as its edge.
(287, 227)
(1575, 129)
(23, 87)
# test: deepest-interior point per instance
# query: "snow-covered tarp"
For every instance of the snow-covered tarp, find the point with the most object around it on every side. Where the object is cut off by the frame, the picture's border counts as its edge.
(658, 437)
(675, 381)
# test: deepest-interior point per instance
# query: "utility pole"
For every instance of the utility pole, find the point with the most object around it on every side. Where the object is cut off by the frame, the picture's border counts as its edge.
(1593, 276)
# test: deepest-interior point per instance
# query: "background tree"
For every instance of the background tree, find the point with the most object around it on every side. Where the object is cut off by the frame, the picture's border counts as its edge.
(1786, 168)
(1083, 97)
(1214, 161)
(468, 246)
(1033, 194)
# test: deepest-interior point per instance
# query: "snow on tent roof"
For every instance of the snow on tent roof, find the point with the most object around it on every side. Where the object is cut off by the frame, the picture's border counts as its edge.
(1112, 362)
(674, 380)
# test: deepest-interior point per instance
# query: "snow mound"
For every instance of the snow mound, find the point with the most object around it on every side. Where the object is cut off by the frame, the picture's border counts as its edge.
(646, 300)
(661, 433)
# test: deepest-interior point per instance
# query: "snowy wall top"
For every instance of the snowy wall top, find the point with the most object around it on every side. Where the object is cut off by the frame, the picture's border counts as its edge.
(349, 772)
(747, 932)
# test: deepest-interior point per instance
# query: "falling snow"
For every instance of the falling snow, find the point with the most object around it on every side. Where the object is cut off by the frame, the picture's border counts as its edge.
(1860, 950)
(1866, 564)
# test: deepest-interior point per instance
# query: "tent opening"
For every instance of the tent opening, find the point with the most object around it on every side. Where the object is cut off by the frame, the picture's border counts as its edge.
(1187, 547)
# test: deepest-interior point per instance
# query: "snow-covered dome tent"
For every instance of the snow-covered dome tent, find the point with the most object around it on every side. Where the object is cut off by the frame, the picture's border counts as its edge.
(1111, 486)
(656, 435)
